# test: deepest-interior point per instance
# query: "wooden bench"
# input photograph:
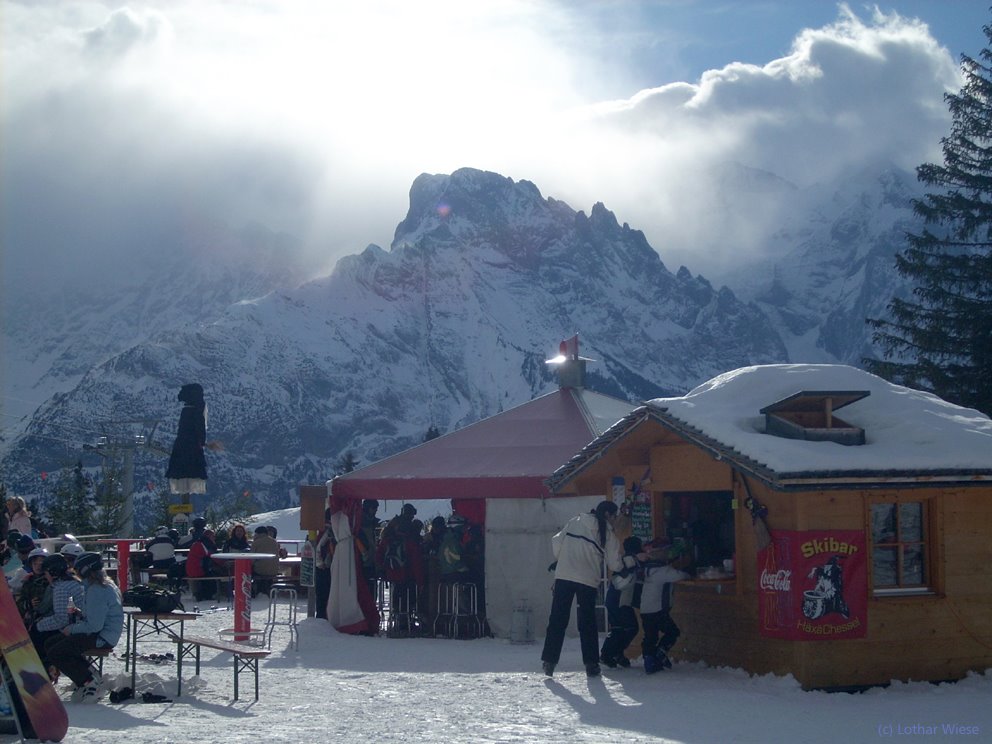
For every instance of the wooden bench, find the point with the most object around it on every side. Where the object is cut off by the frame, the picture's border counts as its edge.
(245, 657)
(95, 657)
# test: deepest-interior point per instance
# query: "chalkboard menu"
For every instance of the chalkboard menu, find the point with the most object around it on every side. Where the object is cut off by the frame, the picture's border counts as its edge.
(307, 564)
(640, 517)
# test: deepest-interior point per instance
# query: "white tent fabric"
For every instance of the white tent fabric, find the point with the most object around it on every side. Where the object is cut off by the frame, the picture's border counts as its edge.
(518, 553)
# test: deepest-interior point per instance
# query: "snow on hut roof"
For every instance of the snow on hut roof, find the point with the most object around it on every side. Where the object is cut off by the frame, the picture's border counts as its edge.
(908, 433)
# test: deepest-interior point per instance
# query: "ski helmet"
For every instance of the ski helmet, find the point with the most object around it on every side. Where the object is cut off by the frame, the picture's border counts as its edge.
(88, 562)
(73, 550)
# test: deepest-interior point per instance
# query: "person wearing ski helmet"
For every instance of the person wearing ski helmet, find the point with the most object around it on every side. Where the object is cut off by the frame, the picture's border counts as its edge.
(33, 586)
(63, 585)
(99, 625)
(199, 525)
(71, 551)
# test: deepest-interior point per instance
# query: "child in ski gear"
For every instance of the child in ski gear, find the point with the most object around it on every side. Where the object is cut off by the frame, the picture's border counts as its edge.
(580, 549)
(623, 594)
(660, 631)
(33, 587)
(63, 585)
(99, 625)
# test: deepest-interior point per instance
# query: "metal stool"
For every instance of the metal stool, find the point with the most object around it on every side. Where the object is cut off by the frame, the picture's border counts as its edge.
(287, 594)
(403, 610)
(458, 604)
(382, 601)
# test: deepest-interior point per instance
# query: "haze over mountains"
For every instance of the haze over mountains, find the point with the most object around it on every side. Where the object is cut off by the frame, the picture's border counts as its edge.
(483, 279)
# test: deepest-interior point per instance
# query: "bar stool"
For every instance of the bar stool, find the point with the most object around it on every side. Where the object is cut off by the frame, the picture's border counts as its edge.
(282, 594)
(403, 610)
(458, 606)
(382, 600)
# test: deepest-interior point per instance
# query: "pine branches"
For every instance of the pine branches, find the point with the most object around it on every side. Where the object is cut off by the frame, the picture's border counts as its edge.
(940, 338)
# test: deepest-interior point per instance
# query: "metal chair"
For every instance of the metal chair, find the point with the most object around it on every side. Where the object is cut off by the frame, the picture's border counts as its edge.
(282, 594)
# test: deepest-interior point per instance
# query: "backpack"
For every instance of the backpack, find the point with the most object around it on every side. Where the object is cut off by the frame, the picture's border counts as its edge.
(152, 599)
(395, 556)
(452, 557)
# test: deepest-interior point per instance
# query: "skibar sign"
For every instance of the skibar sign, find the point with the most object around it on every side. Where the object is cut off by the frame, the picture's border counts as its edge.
(813, 586)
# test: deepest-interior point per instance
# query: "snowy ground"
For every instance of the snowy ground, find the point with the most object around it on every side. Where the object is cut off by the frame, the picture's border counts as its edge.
(344, 688)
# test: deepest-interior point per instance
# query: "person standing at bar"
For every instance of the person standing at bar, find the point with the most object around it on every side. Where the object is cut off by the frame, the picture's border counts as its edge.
(580, 549)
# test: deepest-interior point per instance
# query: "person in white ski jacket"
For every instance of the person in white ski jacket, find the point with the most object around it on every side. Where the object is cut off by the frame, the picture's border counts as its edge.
(580, 549)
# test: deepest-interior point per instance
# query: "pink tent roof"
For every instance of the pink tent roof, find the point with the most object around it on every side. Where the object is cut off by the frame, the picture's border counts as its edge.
(504, 456)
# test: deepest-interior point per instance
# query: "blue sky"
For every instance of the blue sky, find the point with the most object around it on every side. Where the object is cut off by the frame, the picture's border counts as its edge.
(715, 32)
(124, 125)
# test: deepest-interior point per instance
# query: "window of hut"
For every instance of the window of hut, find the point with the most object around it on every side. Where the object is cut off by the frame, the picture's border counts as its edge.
(901, 548)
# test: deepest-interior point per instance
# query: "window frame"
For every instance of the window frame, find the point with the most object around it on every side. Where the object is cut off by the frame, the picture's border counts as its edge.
(930, 525)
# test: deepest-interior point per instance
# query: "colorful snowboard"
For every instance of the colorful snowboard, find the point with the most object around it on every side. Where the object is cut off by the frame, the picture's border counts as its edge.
(38, 696)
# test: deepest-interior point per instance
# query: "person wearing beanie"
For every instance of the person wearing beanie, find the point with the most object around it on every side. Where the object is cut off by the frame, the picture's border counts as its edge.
(99, 624)
(580, 549)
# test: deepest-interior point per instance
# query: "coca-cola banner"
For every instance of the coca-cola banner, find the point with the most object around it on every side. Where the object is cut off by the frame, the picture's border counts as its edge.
(813, 586)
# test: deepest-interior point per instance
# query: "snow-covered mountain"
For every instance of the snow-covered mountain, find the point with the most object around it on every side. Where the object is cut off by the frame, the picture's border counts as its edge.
(53, 337)
(832, 264)
(483, 279)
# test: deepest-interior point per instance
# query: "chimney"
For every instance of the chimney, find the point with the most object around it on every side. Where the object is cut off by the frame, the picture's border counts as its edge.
(570, 366)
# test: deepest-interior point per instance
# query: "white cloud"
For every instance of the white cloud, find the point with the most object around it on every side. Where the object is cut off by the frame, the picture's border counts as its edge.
(315, 118)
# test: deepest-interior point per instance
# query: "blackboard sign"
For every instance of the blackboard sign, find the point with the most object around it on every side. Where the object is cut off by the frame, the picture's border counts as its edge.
(640, 517)
(307, 564)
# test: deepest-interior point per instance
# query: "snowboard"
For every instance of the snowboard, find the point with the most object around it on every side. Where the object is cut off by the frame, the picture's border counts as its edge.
(38, 696)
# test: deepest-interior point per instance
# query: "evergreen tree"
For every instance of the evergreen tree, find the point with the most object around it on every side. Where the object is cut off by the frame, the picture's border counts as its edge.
(940, 339)
(432, 433)
(71, 508)
(109, 516)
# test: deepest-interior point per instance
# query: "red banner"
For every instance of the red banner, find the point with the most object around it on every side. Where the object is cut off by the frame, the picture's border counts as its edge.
(813, 586)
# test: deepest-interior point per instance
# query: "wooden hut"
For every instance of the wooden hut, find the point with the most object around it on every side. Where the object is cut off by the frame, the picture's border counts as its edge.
(845, 551)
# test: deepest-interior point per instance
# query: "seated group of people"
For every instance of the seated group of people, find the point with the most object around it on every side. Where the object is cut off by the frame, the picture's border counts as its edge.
(68, 605)
(202, 543)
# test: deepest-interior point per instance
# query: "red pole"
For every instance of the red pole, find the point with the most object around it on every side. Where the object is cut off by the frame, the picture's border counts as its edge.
(123, 559)
(242, 599)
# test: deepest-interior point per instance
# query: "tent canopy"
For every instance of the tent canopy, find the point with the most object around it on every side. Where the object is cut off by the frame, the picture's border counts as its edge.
(508, 455)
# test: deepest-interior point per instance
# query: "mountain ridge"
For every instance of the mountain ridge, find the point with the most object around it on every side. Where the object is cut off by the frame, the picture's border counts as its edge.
(452, 324)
